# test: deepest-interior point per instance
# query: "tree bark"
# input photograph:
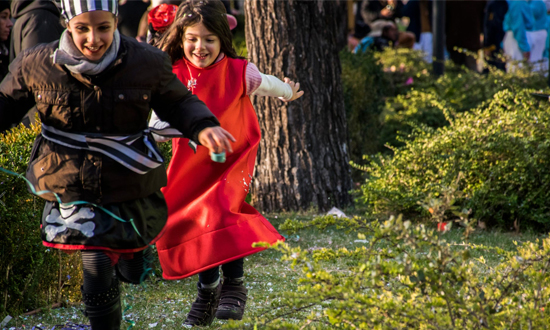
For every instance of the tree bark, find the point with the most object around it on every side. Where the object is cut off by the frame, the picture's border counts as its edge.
(303, 159)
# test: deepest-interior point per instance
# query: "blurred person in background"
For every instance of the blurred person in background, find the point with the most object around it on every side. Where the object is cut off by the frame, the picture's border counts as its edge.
(493, 33)
(5, 30)
(360, 29)
(419, 13)
(375, 11)
(517, 21)
(537, 35)
(36, 22)
(129, 16)
(463, 28)
(388, 37)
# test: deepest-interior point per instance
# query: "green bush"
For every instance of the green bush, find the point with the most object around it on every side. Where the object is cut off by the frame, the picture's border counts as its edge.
(408, 277)
(31, 275)
(404, 112)
(166, 151)
(500, 150)
(364, 88)
(423, 101)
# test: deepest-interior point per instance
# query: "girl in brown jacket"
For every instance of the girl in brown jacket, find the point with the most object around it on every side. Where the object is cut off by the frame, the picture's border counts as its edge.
(95, 161)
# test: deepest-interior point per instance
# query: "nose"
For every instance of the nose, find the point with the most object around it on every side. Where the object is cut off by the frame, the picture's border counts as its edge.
(93, 37)
(10, 23)
(200, 44)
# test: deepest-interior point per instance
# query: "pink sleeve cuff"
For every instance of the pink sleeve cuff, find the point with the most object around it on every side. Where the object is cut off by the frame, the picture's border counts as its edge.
(253, 78)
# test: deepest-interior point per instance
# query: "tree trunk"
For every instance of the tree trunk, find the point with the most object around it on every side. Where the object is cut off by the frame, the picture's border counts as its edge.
(303, 159)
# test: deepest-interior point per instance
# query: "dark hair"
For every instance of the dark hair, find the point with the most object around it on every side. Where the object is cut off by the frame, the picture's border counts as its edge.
(211, 13)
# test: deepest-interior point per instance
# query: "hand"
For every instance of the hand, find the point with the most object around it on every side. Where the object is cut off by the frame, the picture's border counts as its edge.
(216, 139)
(296, 92)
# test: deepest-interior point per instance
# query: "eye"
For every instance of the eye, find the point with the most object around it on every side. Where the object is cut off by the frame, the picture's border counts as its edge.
(191, 39)
(104, 28)
(81, 28)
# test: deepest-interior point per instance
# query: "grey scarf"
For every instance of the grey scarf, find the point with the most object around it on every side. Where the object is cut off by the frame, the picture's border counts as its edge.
(67, 54)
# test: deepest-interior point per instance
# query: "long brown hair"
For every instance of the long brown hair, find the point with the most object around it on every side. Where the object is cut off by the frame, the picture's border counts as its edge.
(211, 13)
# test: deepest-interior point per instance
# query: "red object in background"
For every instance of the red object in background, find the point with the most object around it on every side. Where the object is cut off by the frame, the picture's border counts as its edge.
(443, 226)
(162, 16)
(209, 222)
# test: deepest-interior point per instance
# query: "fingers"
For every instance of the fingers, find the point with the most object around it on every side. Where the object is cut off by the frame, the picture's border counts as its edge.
(295, 86)
(216, 139)
(224, 140)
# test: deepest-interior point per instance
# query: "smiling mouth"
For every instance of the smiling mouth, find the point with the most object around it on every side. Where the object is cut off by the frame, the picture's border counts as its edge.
(93, 49)
(201, 57)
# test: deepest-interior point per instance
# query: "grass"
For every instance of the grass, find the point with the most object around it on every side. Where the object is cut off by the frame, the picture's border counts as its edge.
(161, 304)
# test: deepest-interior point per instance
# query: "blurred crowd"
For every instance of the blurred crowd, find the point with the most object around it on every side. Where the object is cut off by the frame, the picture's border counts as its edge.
(505, 33)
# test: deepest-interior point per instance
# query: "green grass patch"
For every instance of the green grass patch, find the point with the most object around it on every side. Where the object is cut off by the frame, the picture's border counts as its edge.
(161, 304)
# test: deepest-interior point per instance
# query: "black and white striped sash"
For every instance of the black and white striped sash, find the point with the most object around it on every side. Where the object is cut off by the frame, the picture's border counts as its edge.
(117, 148)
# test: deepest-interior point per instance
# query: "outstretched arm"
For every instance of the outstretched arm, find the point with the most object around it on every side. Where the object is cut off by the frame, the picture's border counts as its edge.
(267, 85)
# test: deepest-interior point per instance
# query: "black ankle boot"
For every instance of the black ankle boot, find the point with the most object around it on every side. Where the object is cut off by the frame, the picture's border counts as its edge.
(103, 309)
(232, 300)
(204, 308)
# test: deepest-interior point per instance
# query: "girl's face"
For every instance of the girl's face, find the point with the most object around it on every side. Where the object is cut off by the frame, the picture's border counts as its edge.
(5, 24)
(200, 46)
(93, 33)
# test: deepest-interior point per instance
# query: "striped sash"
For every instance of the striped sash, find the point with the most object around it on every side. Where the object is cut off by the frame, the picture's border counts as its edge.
(117, 148)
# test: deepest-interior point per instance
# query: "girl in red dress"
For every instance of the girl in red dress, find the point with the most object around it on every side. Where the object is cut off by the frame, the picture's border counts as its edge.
(209, 222)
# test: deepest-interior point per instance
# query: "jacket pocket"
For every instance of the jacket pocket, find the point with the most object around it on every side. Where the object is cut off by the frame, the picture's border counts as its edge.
(131, 108)
(54, 172)
(54, 105)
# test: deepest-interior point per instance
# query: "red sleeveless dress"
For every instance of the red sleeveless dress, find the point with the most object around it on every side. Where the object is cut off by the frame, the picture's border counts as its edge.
(209, 222)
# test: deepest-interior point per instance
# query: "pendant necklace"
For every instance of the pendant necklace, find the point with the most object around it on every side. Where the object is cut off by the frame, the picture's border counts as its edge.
(192, 82)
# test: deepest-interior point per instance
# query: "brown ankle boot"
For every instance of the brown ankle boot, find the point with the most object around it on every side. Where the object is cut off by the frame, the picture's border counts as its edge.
(232, 301)
(204, 307)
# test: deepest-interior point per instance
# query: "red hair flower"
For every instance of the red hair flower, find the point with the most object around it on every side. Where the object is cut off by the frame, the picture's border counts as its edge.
(162, 16)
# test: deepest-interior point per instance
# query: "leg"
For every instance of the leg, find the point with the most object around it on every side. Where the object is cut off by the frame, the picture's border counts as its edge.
(205, 305)
(234, 293)
(100, 291)
(135, 270)
(210, 278)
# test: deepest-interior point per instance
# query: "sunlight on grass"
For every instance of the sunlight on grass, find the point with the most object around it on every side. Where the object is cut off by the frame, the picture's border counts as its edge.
(161, 304)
